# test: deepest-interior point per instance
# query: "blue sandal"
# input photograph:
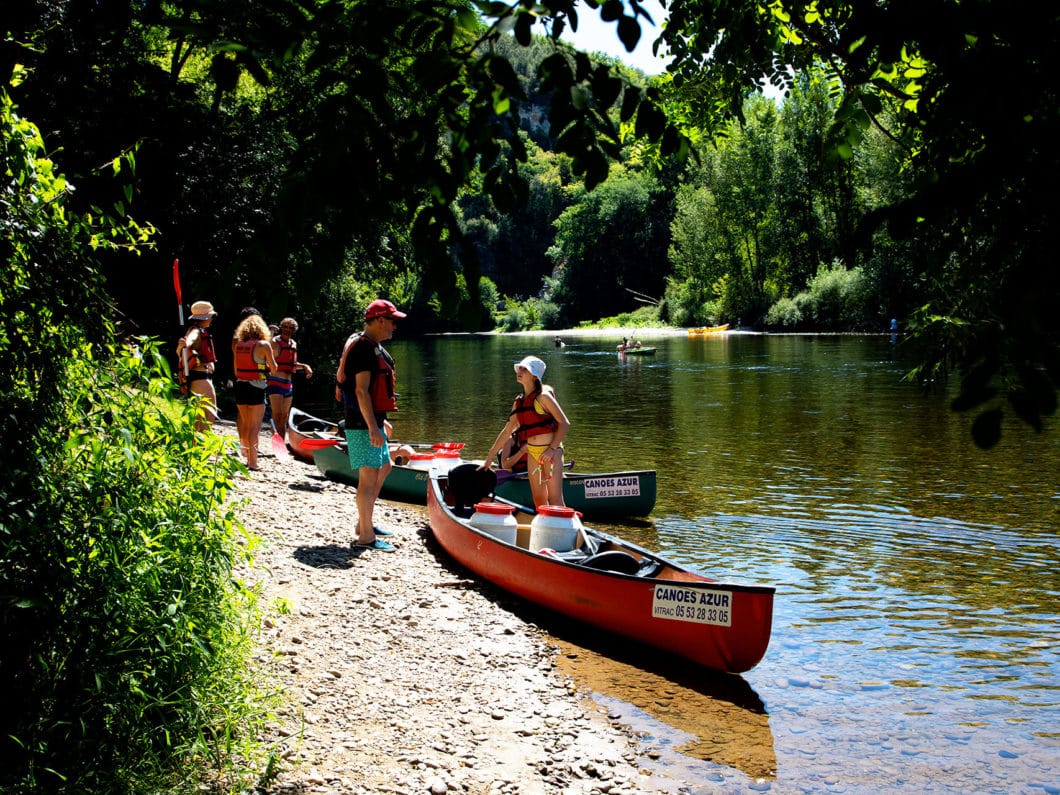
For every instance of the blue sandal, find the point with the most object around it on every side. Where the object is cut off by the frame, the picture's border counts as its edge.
(379, 531)
(378, 544)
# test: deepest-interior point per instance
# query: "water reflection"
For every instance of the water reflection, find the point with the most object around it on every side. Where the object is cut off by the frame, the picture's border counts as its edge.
(684, 716)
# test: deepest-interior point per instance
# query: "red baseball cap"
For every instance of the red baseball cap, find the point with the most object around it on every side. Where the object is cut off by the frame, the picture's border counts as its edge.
(382, 308)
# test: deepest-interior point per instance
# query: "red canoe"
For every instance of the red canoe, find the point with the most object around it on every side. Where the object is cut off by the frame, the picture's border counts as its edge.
(306, 434)
(612, 584)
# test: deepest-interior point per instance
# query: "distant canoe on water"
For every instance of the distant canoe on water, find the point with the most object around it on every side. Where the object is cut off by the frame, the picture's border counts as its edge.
(632, 350)
(695, 332)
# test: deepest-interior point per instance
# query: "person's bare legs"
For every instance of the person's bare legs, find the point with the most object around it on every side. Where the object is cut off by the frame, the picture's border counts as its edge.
(208, 406)
(250, 431)
(281, 409)
(369, 484)
(554, 485)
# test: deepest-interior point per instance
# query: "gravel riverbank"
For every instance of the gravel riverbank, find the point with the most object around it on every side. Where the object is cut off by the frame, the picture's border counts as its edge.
(402, 673)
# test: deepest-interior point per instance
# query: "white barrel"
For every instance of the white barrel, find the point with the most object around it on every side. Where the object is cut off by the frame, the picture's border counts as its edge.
(496, 519)
(555, 528)
(444, 460)
(421, 460)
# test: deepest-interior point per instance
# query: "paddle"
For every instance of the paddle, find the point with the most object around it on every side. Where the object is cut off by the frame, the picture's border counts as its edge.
(180, 313)
(316, 444)
(507, 474)
(438, 445)
(279, 446)
(176, 286)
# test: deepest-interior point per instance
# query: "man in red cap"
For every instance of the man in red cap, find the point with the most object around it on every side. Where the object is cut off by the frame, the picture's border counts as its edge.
(364, 384)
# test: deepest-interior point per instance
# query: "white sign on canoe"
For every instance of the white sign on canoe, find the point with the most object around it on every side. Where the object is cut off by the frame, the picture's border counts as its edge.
(692, 604)
(614, 486)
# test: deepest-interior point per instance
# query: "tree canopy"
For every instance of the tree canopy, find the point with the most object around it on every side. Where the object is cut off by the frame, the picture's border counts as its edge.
(283, 143)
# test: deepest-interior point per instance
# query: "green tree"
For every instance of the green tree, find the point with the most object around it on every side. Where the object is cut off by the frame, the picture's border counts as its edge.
(968, 90)
(611, 246)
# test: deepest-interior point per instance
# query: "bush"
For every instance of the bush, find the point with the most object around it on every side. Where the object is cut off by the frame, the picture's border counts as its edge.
(784, 313)
(681, 304)
(836, 299)
(515, 318)
(131, 638)
(125, 637)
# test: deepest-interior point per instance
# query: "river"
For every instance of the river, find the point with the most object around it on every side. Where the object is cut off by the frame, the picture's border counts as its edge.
(917, 615)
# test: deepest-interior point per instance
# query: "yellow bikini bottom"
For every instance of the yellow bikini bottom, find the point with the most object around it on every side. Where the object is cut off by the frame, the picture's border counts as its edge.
(535, 451)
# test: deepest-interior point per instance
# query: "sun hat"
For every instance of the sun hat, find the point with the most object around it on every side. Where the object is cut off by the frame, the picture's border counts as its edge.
(382, 308)
(533, 364)
(202, 310)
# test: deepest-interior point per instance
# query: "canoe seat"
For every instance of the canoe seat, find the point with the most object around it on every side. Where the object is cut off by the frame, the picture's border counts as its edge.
(623, 563)
(613, 560)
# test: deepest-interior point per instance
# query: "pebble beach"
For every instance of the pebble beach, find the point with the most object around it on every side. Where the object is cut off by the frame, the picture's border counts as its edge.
(400, 672)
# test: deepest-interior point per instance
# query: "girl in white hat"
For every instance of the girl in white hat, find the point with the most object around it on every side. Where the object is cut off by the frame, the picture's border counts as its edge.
(537, 422)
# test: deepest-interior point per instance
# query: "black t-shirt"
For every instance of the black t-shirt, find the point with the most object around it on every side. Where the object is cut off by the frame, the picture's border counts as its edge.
(360, 357)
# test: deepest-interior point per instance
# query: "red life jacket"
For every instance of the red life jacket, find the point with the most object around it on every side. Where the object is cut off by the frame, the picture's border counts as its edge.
(531, 423)
(202, 354)
(247, 367)
(381, 386)
(197, 357)
(287, 356)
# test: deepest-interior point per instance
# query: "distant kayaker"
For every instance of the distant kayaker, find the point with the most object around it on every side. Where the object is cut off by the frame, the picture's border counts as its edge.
(364, 384)
(538, 422)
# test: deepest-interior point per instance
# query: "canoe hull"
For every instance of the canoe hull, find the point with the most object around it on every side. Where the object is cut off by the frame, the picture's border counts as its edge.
(718, 625)
(596, 496)
(693, 332)
(404, 484)
(303, 428)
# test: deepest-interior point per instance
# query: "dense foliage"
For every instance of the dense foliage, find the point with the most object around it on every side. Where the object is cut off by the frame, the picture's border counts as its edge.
(307, 156)
(125, 638)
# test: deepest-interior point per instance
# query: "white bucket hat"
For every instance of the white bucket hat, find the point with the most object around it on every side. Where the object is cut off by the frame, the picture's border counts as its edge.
(533, 364)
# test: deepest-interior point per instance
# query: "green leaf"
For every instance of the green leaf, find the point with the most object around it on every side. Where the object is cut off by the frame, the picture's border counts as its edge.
(629, 33)
(611, 10)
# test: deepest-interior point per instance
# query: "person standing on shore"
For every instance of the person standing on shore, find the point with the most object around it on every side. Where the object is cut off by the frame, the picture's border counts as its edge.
(280, 386)
(253, 361)
(538, 422)
(196, 361)
(364, 384)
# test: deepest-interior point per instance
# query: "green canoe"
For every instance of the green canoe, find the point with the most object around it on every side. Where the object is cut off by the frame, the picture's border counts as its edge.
(605, 495)
(405, 484)
(610, 494)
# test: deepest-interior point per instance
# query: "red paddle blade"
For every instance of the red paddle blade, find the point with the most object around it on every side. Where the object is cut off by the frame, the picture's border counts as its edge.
(279, 448)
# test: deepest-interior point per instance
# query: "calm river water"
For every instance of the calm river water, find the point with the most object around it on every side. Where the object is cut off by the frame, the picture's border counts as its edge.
(917, 617)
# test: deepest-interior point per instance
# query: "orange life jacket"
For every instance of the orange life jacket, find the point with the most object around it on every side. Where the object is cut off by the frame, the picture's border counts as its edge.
(247, 367)
(197, 358)
(381, 386)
